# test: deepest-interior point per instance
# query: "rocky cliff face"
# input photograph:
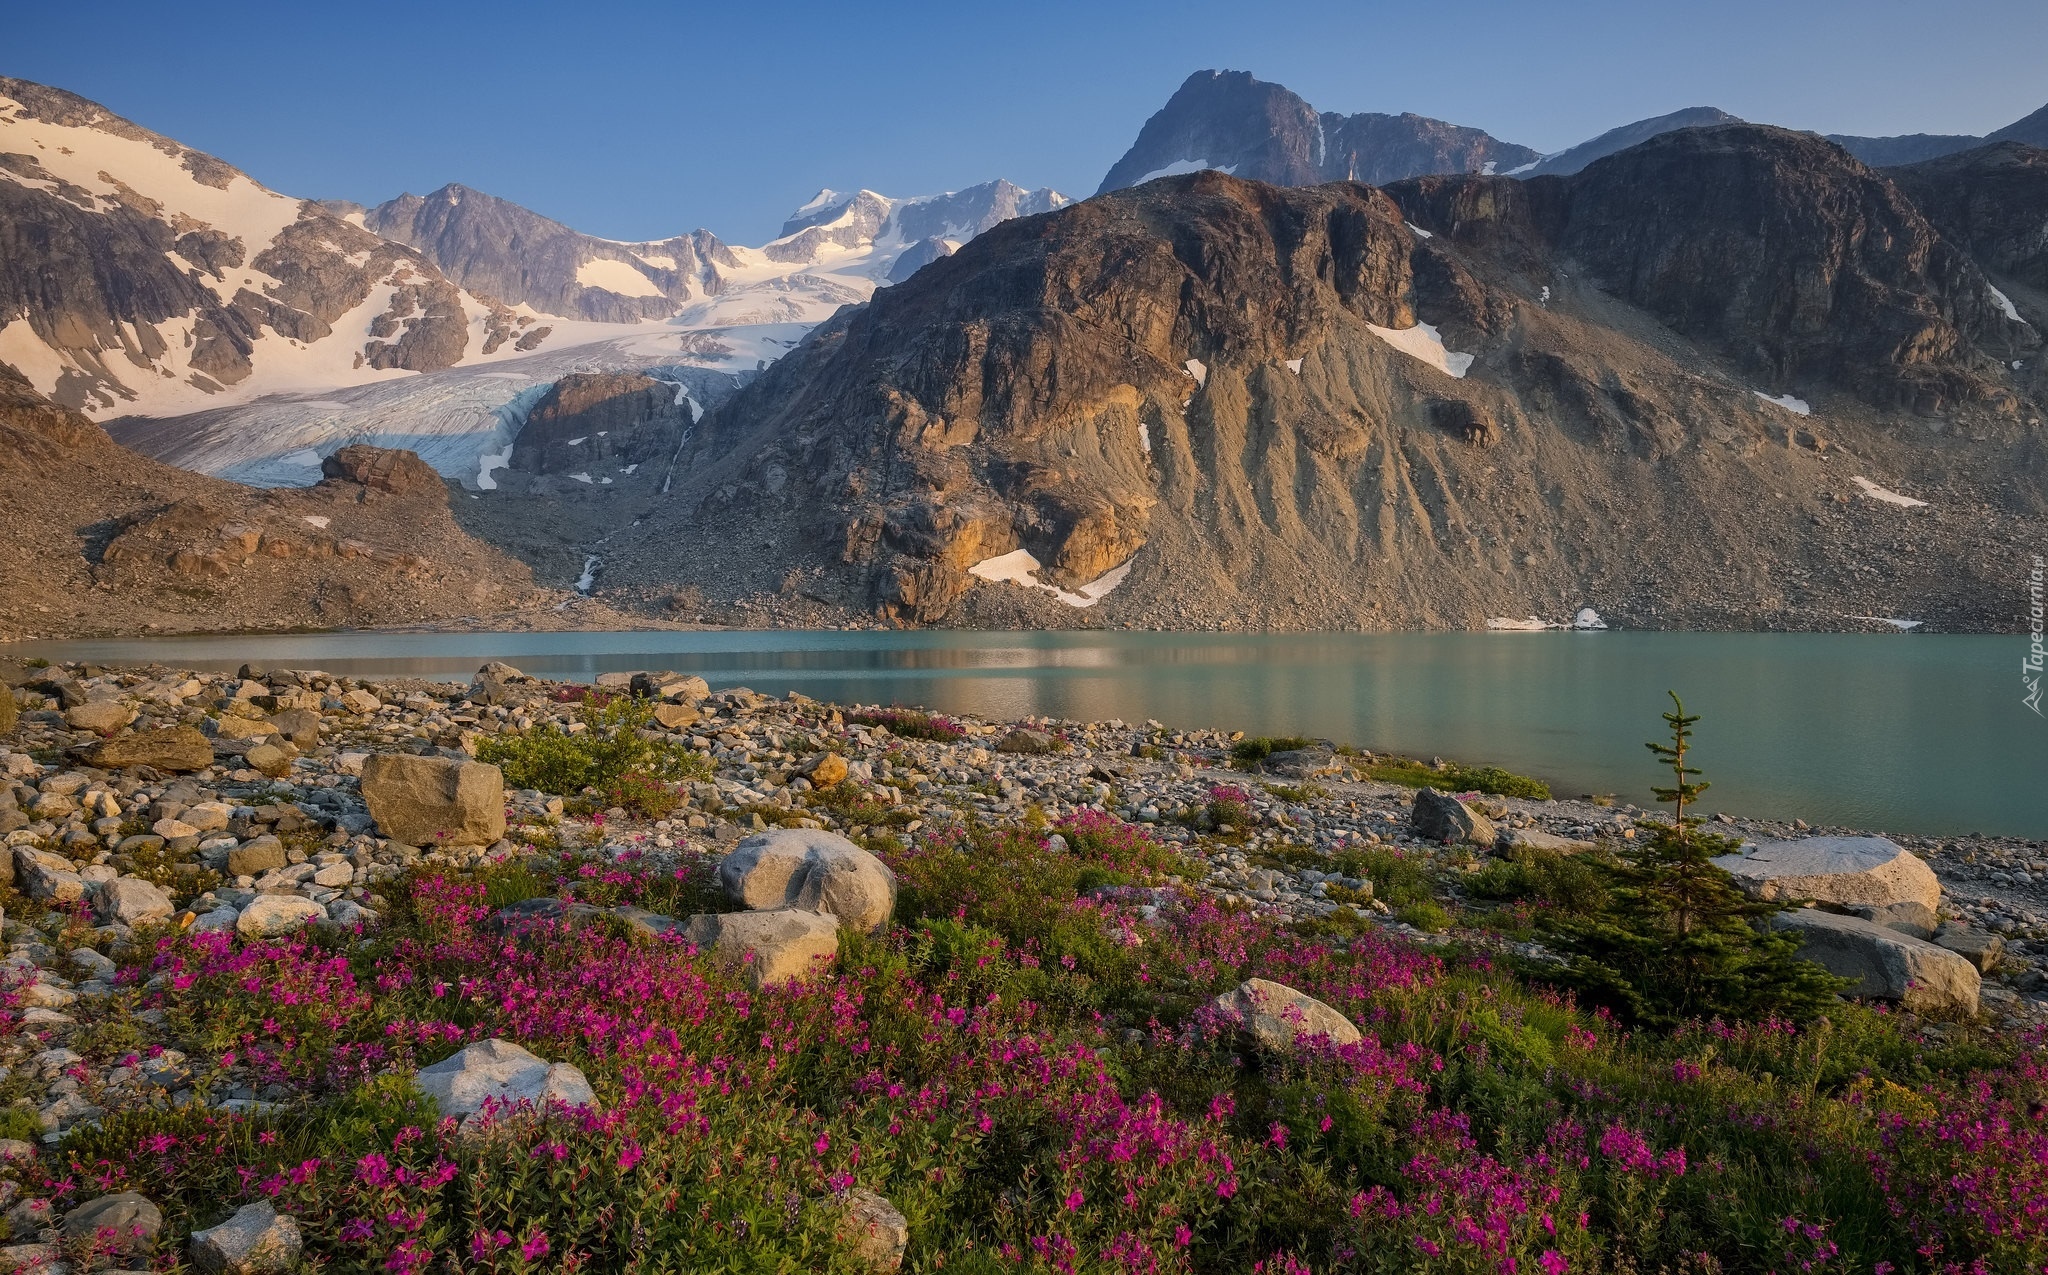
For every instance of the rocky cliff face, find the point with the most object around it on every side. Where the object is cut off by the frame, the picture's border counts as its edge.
(1993, 202)
(1209, 402)
(1777, 249)
(98, 539)
(494, 246)
(139, 275)
(605, 418)
(1229, 121)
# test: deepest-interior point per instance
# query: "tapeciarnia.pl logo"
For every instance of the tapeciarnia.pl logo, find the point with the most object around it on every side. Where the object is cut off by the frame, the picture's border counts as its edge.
(2037, 654)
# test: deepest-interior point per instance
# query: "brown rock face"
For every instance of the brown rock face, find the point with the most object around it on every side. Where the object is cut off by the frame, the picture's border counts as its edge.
(1228, 388)
(427, 801)
(605, 419)
(395, 471)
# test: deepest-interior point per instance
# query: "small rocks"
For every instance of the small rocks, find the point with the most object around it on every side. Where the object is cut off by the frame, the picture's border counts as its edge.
(1279, 1016)
(256, 856)
(257, 1240)
(812, 870)
(500, 1072)
(771, 946)
(826, 769)
(435, 800)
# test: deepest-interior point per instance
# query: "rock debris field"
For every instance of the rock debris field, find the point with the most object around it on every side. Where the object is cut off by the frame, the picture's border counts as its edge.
(136, 801)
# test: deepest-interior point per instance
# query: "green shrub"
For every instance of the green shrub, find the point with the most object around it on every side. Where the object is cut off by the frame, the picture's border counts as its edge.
(1426, 914)
(1246, 754)
(1397, 880)
(1455, 778)
(609, 748)
(911, 723)
(1567, 884)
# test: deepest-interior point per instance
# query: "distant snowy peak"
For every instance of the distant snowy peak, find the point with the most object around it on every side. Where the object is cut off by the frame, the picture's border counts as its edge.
(847, 220)
(1230, 121)
(166, 280)
(1616, 140)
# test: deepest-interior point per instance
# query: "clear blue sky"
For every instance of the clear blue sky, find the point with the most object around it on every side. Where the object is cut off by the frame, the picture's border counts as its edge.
(633, 120)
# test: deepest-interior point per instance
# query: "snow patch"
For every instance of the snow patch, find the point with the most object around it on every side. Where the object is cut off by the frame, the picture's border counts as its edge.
(1294, 366)
(1876, 492)
(616, 277)
(1413, 228)
(1424, 342)
(1903, 626)
(1796, 406)
(1199, 370)
(577, 442)
(588, 580)
(1182, 167)
(316, 521)
(1020, 567)
(583, 478)
(1145, 436)
(2005, 304)
(488, 462)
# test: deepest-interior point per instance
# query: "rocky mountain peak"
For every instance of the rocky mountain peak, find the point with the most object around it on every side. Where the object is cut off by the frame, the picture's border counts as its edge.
(1230, 121)
(1620, 139)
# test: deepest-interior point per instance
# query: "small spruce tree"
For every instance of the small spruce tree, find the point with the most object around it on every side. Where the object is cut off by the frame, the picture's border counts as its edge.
(1680, 940)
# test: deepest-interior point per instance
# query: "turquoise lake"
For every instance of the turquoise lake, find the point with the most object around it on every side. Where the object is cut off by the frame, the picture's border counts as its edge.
(1911, 733)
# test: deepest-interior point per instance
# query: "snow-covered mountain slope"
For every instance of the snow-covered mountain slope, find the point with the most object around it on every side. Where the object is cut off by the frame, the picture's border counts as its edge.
(1616, 140)
(139, 275)
(736, 310)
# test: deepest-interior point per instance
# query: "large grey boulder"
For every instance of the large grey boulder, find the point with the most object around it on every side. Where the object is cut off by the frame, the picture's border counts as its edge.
(772, 946)
(100, 716)
(130, 901)
(498, 1070)
(1886, 964)
(1846, 871)
(1441, 817)
(1279, 1016)
(257, 1240)
(1299, 763)
(125, 1223)
(177, 749)
(46, 876)
(428, 801)
(814, 870)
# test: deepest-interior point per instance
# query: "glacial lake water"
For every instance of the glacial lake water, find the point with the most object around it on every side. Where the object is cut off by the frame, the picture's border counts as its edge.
(1911, 733)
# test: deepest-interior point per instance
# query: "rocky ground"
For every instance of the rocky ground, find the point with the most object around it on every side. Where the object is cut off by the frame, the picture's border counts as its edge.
(135, 799)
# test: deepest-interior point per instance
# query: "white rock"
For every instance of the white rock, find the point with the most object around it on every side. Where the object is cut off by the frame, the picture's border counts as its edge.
(773, 946)
(257, 1240)
(1279, 1016)
(1841, 870)
(814, 870)
(502, 1071)
(270, 916)
(131, 901)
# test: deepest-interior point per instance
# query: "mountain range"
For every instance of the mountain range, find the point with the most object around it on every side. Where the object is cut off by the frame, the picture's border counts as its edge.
(1289, 369)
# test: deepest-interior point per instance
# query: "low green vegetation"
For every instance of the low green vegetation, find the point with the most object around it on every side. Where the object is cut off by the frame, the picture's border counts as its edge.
(911, 723)
(609, 758)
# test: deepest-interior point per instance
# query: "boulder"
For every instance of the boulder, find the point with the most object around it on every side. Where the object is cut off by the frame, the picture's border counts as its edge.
(100, 716)
(50, 877)
(361, 702)
(1512, 839)
(425, 801)
(255, 857)
(299, 725)
(1026, 741)
(811, 869)
(125, 1223)
(274, 760)
(270, 916)
(392, 470)
(176, 750)
(675, 716)
(257, 1240)
(1299, 763)
(497, 683)
(826, 769)
(774, 946)
(207, 816)
(1441, 817)
(677, 688)
(10, 712)
(1842, 870)
(646, 924)
(1885, 964)
(1279, 1016)
(130, 901)
(1980, 948)
(876, 1232)
(526, 914)
(500, 1071)
(1916, 919)
(235, 726)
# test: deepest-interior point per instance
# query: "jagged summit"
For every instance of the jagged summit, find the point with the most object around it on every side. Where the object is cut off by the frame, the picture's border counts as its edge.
(1230, 121)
